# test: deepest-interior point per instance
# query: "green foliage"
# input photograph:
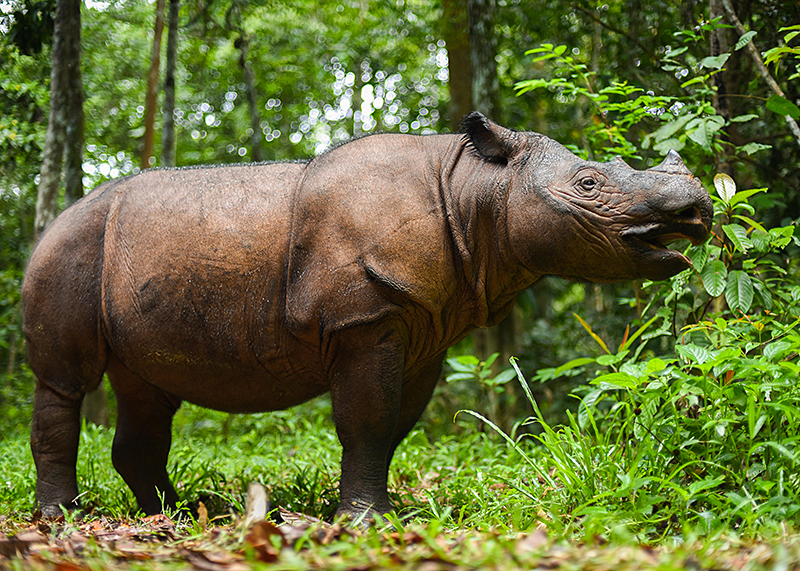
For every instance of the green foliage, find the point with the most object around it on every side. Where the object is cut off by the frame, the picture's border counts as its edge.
(776, 54)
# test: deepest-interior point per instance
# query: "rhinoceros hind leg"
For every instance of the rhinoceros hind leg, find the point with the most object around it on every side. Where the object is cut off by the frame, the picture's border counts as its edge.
(55, 432)
(143, 437)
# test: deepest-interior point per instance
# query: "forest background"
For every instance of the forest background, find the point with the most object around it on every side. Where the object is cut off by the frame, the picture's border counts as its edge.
(240, 81)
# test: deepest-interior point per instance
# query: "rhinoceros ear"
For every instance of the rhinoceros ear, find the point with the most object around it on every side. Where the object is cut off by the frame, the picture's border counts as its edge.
(492, 142)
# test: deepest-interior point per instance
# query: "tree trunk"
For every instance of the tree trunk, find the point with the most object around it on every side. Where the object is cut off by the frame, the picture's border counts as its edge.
(455, 30)
(243, 43)
(73, 153)
(485, 91)
(168, 130)
(483, 50)
(721, 42)
(152, 89)
(50, 174)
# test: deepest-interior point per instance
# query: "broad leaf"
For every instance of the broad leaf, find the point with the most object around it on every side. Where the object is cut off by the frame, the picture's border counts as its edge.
(725, 185)
(751, 148)
(745, 194)
(783, 106)
(738, 237)
(694, 353)
(706, 127)
(744, 40)
(713, 276)
(739, 291)
(715, 62)
(579, 362)
(616, 380)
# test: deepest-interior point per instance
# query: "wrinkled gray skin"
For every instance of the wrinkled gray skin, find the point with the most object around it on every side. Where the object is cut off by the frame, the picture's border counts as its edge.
(257, 287)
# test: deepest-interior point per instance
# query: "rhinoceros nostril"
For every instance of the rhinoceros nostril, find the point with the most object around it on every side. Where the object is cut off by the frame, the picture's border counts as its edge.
(689, 213)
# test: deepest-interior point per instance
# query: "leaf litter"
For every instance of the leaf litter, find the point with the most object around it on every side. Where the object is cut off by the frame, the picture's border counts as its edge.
(300, 541)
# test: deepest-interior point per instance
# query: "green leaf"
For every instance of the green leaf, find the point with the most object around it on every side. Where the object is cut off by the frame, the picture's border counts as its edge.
(664, 146)
(607, 360)
(744, 40)
(739, 291)
(760, 240)
(694, 353)
(579, 362)
(713, 276)
(706, 127)
(504, 377)
(698, 255)
(783, 106)
(715, 62)
(738, 237)
(673, 53)
(776, 349)
(617, 380)
(725, 185)
(666, 131)
(780, 237)
(743, 118)
(745, 194)
(751, 148)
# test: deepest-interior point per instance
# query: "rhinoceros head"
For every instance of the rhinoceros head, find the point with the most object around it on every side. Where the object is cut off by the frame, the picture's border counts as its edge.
(585, 220)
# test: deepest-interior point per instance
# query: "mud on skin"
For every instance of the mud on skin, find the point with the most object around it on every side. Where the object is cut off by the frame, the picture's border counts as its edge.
(257, 287)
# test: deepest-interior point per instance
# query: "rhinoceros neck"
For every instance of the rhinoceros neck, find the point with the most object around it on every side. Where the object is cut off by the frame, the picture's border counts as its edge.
(474, 194)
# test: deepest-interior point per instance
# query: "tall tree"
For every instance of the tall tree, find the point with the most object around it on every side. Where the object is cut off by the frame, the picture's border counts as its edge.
(61, 66)
(64, 144)
(74, 143)
(455, 30)
(483, 52)
(504, 337)
(168, 130)
(152, 88)
(233, 19)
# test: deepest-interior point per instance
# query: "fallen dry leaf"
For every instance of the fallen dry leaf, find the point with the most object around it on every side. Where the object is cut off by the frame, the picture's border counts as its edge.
(533, 541)
(260, 538)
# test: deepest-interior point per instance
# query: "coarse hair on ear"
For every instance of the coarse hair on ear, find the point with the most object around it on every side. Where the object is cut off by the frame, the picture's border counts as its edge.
(491, 141)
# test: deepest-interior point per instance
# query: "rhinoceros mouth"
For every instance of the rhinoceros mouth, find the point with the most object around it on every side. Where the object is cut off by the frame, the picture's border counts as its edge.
(658, 234)
(650, 241)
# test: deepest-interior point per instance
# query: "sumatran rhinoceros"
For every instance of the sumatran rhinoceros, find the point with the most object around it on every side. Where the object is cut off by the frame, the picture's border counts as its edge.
(258, 287)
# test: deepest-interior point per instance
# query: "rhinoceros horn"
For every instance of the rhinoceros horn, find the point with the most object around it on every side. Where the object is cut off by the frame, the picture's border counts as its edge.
(619, 161)
(672, 164)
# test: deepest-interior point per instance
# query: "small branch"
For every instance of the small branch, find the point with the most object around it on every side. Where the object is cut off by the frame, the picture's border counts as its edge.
(762, 69)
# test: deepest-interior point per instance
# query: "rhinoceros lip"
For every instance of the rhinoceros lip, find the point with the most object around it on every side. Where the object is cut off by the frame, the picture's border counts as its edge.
(658, 235)
(651, 241)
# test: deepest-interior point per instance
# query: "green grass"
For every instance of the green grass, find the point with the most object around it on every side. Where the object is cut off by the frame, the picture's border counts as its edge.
(468, 497)
(295, 454)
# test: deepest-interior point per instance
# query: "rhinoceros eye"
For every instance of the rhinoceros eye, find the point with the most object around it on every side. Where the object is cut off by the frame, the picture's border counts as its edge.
(588, 183)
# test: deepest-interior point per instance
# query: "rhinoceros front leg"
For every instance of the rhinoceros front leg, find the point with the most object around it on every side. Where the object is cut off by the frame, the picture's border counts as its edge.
(142, 438)
(366, 384)
(55, 432)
